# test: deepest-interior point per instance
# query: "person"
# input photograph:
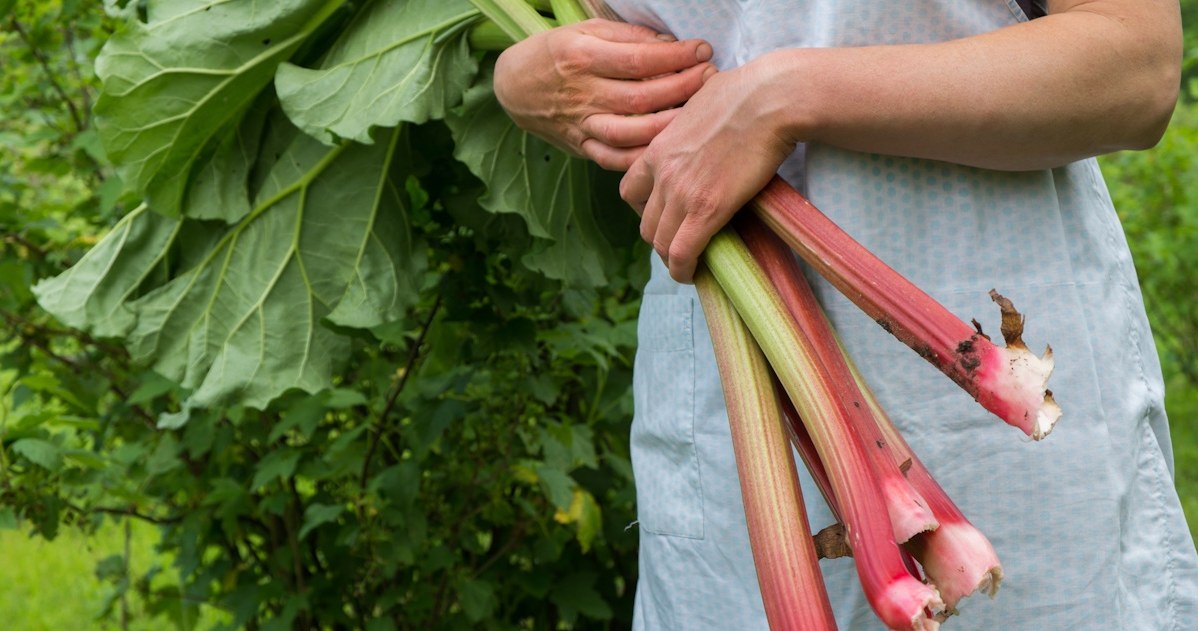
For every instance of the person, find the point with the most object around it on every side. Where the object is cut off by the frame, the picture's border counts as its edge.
(955, 139)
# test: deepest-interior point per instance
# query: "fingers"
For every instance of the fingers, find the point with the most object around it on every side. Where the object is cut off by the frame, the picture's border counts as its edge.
(687, 244)
(615, 141)
(652, 95)
(644, 60)
(678, 229)
(635, 187)
(622, 32)
(616, 130)
(608, 157)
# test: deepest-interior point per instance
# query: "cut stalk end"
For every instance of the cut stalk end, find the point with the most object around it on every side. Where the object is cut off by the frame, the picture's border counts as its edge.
(908, 595)
(959, 560)
(909, 513)
(1008, 383)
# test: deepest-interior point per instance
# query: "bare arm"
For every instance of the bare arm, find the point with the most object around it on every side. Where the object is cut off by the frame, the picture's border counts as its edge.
(1091, 77)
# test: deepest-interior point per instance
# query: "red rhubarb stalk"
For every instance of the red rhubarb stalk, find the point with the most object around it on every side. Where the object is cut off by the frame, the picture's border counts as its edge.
(1010, 382)
(908, 511)
(902, 602)
(792, 587)
(957, 557)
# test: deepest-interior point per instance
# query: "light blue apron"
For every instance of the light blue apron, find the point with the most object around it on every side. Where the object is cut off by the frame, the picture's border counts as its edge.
(1087, 523)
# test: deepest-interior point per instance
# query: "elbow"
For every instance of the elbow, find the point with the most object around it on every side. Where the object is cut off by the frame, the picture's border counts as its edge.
(1143, 42)
(1155, 92)
(1153, 108)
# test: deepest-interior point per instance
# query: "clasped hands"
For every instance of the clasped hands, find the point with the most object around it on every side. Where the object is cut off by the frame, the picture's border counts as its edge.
(695, 144)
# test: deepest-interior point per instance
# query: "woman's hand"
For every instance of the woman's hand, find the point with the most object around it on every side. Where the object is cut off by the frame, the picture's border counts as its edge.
(720, 150)
(599, 89)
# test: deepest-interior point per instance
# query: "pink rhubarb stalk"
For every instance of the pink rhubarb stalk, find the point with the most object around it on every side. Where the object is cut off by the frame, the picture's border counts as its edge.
(1010, 382)
(957, 557)
(902, 602)
(908, 511)
(784, 554)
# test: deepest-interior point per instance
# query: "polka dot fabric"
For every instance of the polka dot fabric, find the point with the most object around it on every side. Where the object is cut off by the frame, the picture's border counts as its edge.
(1087, 523)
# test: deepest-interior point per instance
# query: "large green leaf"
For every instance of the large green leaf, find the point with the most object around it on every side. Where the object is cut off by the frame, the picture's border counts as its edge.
(241, 313)
(176, 86)
(219, 186)
(95, 293)
(553, 192)
(399, 61)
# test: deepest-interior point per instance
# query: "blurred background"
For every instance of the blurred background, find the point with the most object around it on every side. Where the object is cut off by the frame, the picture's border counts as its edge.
(72, 557)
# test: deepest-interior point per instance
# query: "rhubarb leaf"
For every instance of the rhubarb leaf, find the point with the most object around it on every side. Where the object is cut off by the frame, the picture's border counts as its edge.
(398, 61)
(554, 193)
(175, 86)
(219, 181)
(94, 294)
(241, 313)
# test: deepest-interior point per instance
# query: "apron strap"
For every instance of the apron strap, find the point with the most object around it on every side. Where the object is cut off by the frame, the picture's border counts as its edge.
(1031, 9)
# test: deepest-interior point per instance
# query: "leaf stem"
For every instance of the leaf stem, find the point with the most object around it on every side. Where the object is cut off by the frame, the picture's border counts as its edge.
(568, 11)
(516, 17)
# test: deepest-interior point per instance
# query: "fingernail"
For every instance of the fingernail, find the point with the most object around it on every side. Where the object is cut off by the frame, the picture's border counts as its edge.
(709, 72)
(703, 52)
(666, 37)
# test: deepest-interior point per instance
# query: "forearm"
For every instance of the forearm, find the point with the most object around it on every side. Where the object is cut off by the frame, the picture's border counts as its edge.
(1079, 82)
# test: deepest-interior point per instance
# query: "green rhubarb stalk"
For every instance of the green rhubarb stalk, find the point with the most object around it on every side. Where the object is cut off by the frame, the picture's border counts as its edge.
(1010, 382)
(902, 602)
(488, 36)
(599, 9)
(792, 587)
(515, 17)
(908, 511)
(568, 11)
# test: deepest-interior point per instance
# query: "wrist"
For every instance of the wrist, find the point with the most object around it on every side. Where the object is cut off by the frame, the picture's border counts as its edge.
(788, 99)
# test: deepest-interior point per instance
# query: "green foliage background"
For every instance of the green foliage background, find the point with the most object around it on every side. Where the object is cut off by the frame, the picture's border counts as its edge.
(460, 461)
(463, 462)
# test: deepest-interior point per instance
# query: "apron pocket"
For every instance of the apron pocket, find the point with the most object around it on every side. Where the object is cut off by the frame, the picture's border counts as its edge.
(664, 460)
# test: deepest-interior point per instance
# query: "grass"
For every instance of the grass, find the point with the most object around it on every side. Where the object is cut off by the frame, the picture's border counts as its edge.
(52, 586)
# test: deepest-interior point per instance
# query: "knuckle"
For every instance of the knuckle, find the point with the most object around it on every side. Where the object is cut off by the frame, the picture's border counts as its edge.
(611, 163)
(636, 62)
(637, 101)
(603, 129)
(582, 145)
(570, 59)
(647, 233)
(679, 253)
(626, 192)
(702, 203)
(632, 192)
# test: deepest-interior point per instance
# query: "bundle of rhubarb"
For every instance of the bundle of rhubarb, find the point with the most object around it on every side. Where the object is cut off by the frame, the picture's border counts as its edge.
(917, 565)
(787, 382)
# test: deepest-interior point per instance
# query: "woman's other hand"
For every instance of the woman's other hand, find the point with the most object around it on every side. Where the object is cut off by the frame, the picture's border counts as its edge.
(599, 89)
